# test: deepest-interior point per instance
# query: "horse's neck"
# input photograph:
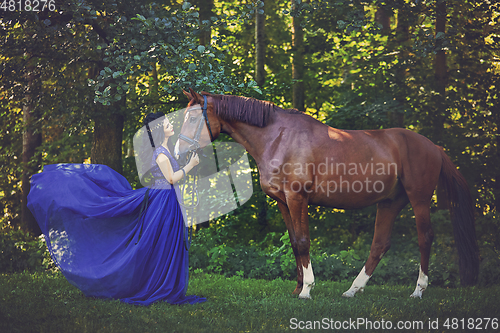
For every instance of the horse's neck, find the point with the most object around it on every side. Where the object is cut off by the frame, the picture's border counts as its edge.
(246, 135)
(254, 139)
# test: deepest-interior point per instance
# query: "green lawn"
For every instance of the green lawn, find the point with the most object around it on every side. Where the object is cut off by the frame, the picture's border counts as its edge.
(45, 302)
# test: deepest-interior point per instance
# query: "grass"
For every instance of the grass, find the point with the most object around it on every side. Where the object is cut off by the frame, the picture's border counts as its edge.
(46, 302)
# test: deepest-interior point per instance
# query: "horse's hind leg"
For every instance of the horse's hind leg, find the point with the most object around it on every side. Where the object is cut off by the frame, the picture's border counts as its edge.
(425, 237)
(420, 195)
(387, 211)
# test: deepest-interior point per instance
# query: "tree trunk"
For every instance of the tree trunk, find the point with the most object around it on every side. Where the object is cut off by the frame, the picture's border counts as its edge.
(496, 184)
(260, 78)
(402, 38)
(107, 141)
(260, 48)
(153, 93)
(383, 17)
(297, 62)
(440, 74)
(108, 132)
(205, 12)
(31, 161)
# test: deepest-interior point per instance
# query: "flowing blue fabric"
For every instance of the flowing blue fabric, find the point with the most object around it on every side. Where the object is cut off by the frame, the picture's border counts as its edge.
(91, 220)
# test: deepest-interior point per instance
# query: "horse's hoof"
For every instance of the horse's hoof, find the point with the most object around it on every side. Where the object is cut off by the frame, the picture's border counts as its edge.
(416, 295)
(305, 297)
(351, 292)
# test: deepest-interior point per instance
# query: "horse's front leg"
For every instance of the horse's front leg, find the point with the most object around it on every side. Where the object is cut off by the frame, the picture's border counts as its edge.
(285, 212)
(298, 230)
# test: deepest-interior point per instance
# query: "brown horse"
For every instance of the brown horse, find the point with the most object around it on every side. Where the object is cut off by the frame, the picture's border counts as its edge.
(302, 161)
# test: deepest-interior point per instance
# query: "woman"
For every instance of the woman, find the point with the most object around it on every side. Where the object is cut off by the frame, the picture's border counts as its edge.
(111, 241)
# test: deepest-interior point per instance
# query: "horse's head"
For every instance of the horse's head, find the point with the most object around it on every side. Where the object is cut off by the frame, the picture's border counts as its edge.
(201, 126)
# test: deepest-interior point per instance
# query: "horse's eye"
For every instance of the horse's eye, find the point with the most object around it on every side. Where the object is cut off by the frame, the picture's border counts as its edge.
(192, 120)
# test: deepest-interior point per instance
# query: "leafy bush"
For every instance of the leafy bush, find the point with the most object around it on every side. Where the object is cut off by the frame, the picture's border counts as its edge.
(342, 261)
(218, 250)
(21, 251)
(488, 229)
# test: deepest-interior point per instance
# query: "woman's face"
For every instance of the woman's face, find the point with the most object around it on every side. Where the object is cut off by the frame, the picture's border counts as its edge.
(168, 128)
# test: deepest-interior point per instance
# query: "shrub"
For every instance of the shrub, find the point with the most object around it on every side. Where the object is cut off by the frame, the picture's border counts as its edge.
(21, 251)
(341, 262)
(218, 250)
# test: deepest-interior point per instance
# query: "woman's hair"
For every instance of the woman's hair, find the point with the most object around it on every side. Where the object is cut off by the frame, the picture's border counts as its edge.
(156, 133)
(155, 128)
(150, 137)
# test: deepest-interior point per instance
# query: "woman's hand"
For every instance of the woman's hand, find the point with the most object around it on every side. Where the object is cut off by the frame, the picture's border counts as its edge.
(194, 161)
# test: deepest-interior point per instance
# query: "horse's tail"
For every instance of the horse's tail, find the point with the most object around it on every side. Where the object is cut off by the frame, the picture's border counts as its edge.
(462, 217)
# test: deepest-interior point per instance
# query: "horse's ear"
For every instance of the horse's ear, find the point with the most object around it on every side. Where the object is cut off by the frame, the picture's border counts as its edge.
(188, 95)
(197, 97)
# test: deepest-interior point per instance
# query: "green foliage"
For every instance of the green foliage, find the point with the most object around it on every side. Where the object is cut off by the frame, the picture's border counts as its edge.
(285, 255)
(10, 149)
(488, 228)
(357, 77)
(218, 257)
(23, 252)
(169, 37)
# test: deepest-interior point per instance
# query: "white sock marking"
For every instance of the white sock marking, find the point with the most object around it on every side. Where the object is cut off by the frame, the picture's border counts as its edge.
(422, 283)
(176, 149)
(358, 284)
(308, 281)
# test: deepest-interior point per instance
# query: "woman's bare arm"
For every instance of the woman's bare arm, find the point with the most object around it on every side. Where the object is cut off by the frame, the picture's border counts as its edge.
(167, 170)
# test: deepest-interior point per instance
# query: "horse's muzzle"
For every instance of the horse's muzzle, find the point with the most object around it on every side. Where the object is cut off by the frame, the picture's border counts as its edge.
(185, 157)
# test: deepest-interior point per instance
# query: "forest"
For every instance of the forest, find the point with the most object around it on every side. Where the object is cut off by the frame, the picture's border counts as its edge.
(78, 77)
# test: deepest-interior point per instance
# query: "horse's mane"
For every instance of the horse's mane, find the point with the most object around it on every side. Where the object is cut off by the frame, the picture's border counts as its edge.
(247, 110)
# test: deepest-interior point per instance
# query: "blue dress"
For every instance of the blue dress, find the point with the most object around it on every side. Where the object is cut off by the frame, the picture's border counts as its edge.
(97, 236)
